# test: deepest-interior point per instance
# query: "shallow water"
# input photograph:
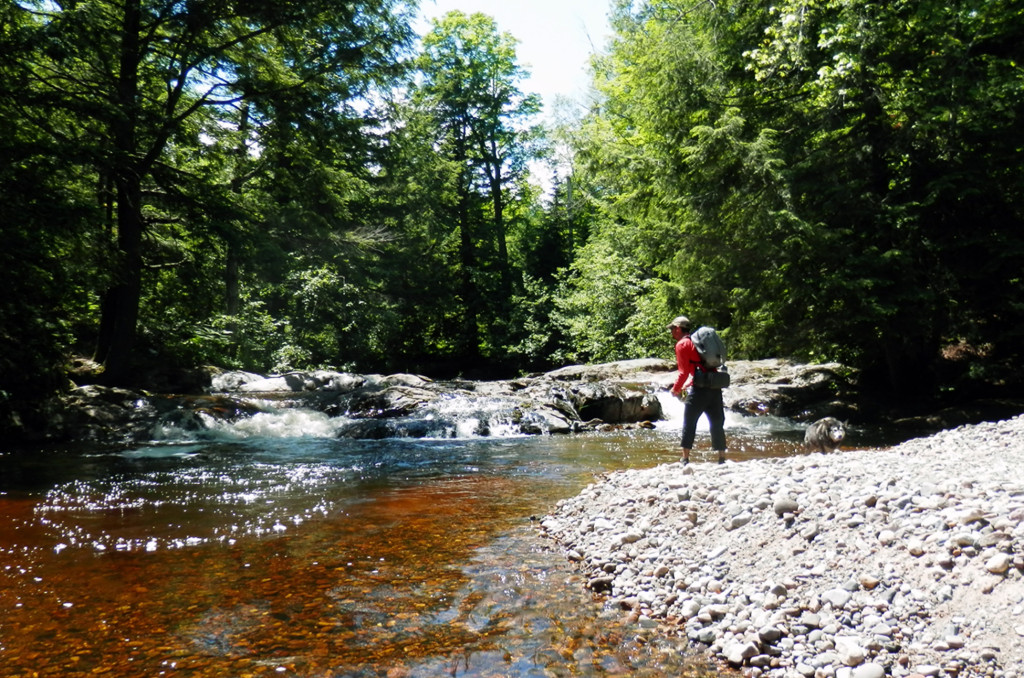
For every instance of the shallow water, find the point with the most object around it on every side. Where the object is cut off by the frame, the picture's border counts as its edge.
(273, 548)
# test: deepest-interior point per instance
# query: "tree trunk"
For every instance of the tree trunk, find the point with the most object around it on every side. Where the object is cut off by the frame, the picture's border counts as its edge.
(234, 255)
(470, 299)
(498, 201)
(120, 305)
(231, 278)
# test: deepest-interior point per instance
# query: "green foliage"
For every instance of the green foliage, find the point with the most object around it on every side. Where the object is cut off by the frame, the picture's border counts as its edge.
(822, 179)
(609, 309)
(189, 122)
(47, 262)
(533, 338)
(336, 323)
(242, 341)
(479, 127)
(274, 187)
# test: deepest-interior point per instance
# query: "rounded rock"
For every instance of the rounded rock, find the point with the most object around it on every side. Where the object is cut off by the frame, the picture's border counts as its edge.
(784, 505)
(999, 563)
(870, 670)
(868, 581)
(838, 598)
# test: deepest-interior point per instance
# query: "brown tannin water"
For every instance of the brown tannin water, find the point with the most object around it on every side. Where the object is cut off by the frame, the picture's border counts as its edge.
(279, 550)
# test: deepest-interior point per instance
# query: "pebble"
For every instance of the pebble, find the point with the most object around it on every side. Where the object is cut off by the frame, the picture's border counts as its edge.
(869, 671)
(858, 564)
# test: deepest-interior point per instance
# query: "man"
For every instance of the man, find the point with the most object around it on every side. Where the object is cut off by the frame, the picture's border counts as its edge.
(698, 400)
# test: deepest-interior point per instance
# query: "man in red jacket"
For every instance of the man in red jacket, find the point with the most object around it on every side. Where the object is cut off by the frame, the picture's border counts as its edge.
(698, 400)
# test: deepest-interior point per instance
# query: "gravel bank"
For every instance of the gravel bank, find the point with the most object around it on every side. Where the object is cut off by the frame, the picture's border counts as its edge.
(858, 564)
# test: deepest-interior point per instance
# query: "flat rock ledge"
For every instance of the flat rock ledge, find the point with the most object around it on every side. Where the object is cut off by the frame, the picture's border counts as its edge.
(575, 398)
(859, 564)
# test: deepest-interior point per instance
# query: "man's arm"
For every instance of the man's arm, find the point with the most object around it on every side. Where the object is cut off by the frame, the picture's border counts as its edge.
(684, 363)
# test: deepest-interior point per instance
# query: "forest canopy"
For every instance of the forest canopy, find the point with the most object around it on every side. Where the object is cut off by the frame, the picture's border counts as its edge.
(296, 185)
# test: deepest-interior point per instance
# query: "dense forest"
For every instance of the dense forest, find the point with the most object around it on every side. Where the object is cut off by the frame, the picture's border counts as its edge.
(280, 185)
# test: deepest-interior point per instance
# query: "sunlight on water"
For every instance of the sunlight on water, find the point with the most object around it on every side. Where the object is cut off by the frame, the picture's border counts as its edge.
(187, 506)
(223, 494)
(279, 544)
(288, 551)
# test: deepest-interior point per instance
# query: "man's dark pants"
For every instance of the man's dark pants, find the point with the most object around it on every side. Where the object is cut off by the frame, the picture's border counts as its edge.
(704, 401)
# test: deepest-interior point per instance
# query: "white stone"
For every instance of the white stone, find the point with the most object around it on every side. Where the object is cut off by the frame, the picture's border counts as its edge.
(740, 520)
(838, 598)
(900, 558)
(785, 505)
(999, 563)
(736, 652)
(689, 609)
(850, 651)
(870, 670)
(971, 515)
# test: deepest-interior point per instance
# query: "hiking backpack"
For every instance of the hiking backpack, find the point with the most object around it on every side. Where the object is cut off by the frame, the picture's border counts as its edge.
(710, 347)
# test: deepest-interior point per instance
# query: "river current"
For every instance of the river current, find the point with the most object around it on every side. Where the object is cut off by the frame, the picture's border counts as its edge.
(273, 548)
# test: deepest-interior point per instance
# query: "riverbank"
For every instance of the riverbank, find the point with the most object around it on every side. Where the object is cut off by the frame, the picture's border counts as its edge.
(858, 564)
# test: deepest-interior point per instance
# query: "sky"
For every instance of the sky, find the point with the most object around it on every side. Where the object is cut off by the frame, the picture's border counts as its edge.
(556, 38)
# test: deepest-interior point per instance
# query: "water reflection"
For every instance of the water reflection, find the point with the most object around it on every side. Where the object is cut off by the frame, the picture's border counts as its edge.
(305, 555)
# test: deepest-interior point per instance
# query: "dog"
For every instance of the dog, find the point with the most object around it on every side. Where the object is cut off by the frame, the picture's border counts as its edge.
(824, 435)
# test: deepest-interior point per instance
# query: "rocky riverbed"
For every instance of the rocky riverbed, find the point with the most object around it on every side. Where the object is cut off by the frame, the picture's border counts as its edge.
(858, 564)
(372, 406)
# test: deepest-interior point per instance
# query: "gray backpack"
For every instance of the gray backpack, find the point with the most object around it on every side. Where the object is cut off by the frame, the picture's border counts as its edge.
(710, 347)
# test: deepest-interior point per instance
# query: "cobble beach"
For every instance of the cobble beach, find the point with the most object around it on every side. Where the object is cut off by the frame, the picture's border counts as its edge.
(857, 564)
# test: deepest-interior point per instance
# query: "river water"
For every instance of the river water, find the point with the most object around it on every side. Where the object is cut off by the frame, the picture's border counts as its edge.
(273, 548)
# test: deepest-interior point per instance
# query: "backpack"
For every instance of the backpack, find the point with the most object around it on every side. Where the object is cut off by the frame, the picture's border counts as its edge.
(712, 372)
(710, 347)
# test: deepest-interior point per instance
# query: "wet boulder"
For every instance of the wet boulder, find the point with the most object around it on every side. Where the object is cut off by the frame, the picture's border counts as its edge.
(233, 380)
(379, 429)
(804, 392)
(291, 382)
(104, 415)
(384, 401)
(641, 370)
(544, 420)
(613, 403)
(573, 398)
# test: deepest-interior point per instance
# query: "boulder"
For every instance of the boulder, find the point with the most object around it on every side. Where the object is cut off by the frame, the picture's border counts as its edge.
(573, 398)
(612, 403)
(793, 390)
(232, 381)
(385, 401)
(642, 369)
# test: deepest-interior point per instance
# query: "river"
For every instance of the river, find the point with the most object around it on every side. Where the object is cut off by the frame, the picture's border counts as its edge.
(273, 548)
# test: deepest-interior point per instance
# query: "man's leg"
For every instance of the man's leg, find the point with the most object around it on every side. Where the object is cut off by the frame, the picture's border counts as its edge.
(716, 418)
(691, 413)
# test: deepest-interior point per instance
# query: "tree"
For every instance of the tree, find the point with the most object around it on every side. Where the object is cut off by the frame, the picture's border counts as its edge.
(469, 86)
(130, 84)
(908, 107)
(810, 175)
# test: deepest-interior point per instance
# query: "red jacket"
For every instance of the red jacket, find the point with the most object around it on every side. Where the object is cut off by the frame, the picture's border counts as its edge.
(687, 360)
